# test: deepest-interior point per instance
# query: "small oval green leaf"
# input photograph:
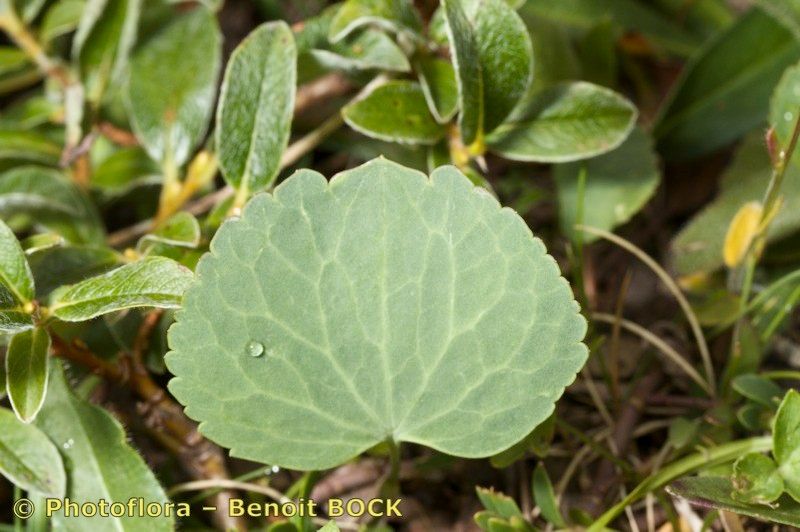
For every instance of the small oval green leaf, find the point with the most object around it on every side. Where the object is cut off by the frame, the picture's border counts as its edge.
(394, 112)
(15, 274)
(173, 82)
(505, 52)
(759, 389)
(150, 282)
(26, 372)
(181, 230)
(567, 122)
(28, 458)
(256, 106)
(756, 479)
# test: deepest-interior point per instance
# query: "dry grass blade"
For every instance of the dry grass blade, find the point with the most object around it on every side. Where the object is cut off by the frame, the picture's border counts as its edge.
(670, 283)
(659, 344)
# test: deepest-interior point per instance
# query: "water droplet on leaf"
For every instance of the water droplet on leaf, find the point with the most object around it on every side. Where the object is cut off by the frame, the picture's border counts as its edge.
(788, 116)
(255, 349)
(69, 443)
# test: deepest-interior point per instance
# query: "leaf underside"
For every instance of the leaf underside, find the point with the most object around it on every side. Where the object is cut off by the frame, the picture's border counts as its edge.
(384, 305)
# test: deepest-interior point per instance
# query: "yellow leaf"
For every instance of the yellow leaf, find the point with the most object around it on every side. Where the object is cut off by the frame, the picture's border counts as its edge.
(741, 232)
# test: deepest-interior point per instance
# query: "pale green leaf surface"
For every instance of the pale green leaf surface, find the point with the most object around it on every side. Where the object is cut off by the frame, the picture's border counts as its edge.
(394, 15)
(28, 459)
(173, 84)
(715, 492)
(438, 81)
(493, 57)
(99, 462)
(698, 247)
(256, 106)
(150, 282)
(26, 372)
(52, 201)
(395, 111)
(465, 54)
(15, 273)
(333, 316)
(366, 49)
(566, 122)
(618, 184)
(724, 91)
(756, 479)
(790, 472)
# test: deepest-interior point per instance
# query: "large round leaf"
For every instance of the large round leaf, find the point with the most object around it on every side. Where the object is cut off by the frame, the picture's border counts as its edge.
(384, 305)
